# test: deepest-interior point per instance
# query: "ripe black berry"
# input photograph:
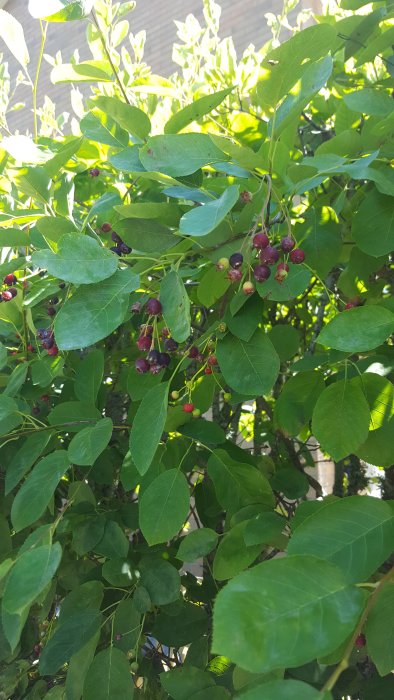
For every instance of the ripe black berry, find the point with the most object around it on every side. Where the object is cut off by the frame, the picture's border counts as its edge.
(236, 260)
(115, 249)
(142, 366)
(153, 357)
(115, 237)
(124, 248)
(164, 359)
(171, 345)
(193, 352)
(153, 307)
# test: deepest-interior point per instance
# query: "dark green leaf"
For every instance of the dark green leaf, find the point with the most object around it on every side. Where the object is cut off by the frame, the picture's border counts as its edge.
(232, 555)
(73, 416)
(373, 226)
(88, 377)
(29, 576)
(182, 682)
(89, 443)
(69, 637)
(198, 543)
(146, 235)
(265, 528)
(379, 629)
(296, 401)
(164, 507)
(248, 367)
(151, 417)
(161, 580)
(284, 690)
(238, 485)
(108, 677)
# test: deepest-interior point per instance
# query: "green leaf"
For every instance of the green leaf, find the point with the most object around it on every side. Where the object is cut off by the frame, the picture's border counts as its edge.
(17, 379)
(198, 543)
(73, 415)
(65, 153)
(248, 367)
(161, 580)
(79, 259)
(30, 575)
(34, 495)
(94, 311)
(323, 242)
(109, 677)
(379, 629)
(101, 128)
(284, 690)
(11, 31)
(130, 118)
(87, 445)
(205, 218)
(9, 415)
(189, 625)
(35, 181)
(295, 283)
(78, 668)
(265, 528)
(150, 418)
(176, 306)
(340, 419)
(291, 482)
(212, 287)
(69, 637)
(238, 485)
(295, 403)
(164, 507)
(311, 81)
(114, 543)
(181, 683)
(369, 101)
(379, 393)
(358, 329)
(167, 212)
(60, 10)
(24, 458)
(301, 596)
(354, 533)
(204, 431)
(85, 72)
(373, 225)
(195, 111)
(179, 154)
(286, 340)
(13, 625)
(146, 235)
(89, 376)
(378, 448)
(233, 555)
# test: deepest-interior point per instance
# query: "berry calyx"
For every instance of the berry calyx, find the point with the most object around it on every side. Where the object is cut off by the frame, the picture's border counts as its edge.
(153, 307)
(188, 407)
(248, 288)
(106, 227)
(236, 260)
(142, 366)
(260, 241)
(287, 244)
(223, 264)
(297, 256)
(261, 273)
(269, 255)
(245, 197)
(196, 413)
(9, 280)
(234, 275)
(175, 395)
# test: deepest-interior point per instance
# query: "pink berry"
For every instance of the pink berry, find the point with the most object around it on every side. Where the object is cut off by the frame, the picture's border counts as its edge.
(212, 360)
(287, 244)
(234, 275)
(260, 241)
(297, 256)
(6, 296)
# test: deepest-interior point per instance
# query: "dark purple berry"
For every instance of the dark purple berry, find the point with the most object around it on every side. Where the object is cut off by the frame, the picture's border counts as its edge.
(193, 352)
(260, 241)
(154, 356)
(236, 260)
(269, 255)
(287, 244)
(51, 311)
(153, 307)
(48, 343)
(9, 280)
(54, 301)
(115, 249)
(142, 366)
(171, 345)
(94, 172)
(164, 359)
(297, 256)
(115, 237)
(62, 285)
(13, 291)
(124, 248)
(261, 273)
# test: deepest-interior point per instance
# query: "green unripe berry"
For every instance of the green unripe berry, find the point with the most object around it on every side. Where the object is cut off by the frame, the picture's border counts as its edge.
(175, 395)
(196, 413)
(223, 264)
(226, 397)
(134, 667)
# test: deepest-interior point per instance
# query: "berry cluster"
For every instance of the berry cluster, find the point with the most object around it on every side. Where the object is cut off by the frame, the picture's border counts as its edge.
(11, 292)
(121, 248)
(155, 360)
(47, 338)
(267, 256)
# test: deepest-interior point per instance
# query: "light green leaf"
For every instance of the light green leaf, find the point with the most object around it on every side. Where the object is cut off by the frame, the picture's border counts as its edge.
(373, 224)
(109, 677)
(379, 393)
(205, 218)
(248, 367)
(358, 329)
(176, 306)
(99, 127)
(164, 507)
(150, 417)
(369, 101)
(85, 72)
(79, 259)
(30, 575)
(284, 690)
(73, 415)
(378, 448)
(87, 445)
(341, 418)
(60, 10)
(195, 111)
(355, 533)
(33, 497)
(198, 543)
(146, 235)
(379, 629)
(65, 153)
(179, 154)
(94, 311)
(130, 118)
(299, 597)
(35, 182)
(88, 376)
(11, 31)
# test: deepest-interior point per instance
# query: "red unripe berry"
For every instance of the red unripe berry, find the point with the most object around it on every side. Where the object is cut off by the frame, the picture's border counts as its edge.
(188, 407)
(349, 305)
(144, 342)
(142, 366)
(106, 227)
(287, 244)
(297, 256)
(30, 348)
(212, 360)
(234, 275)
(245, 197)
(54, 350)
(248, 288)
(208, 370)
(261, 273)
(360, 641)
(153, 307)
(9, 280)
(260, 241)
(269, 255)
